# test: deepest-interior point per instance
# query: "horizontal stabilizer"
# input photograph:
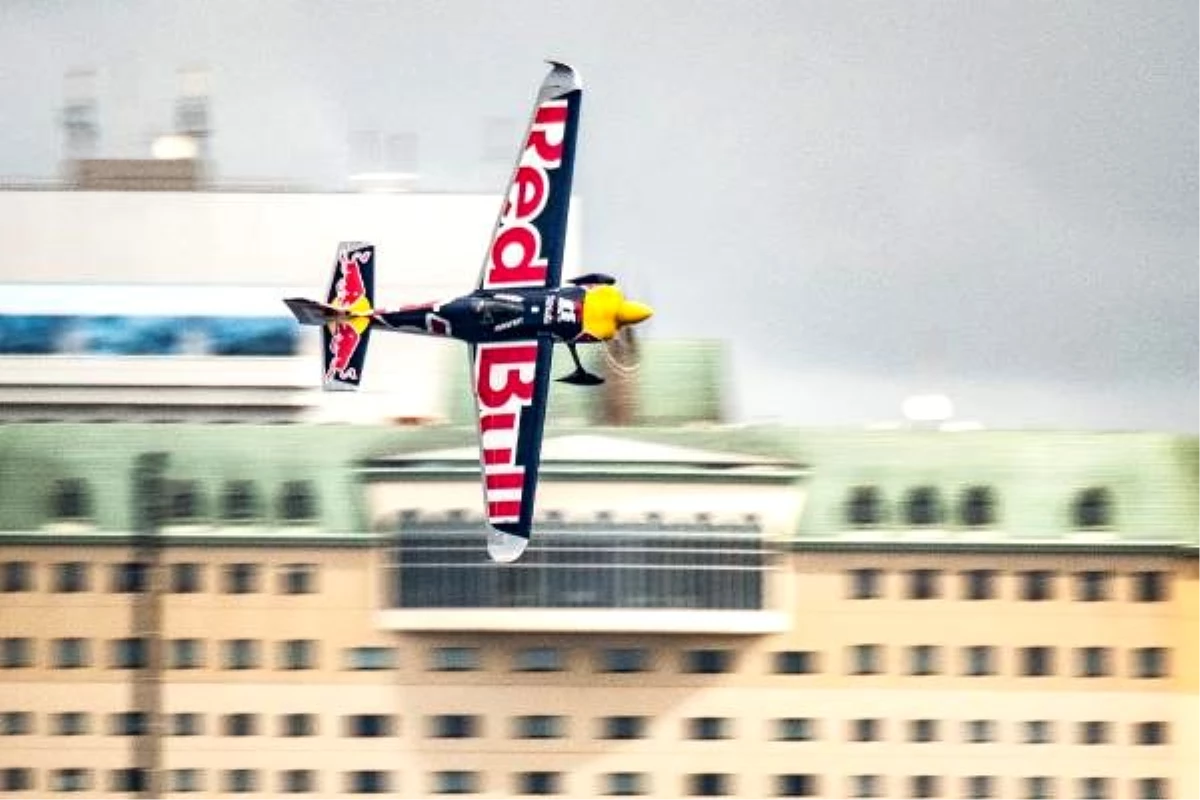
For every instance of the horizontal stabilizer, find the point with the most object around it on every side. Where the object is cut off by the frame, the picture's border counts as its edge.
(310, 312)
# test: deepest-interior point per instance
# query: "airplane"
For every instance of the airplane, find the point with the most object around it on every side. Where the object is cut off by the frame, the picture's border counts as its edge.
(519, 310)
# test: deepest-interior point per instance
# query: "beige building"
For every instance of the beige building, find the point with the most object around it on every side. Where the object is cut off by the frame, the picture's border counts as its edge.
(741, 612)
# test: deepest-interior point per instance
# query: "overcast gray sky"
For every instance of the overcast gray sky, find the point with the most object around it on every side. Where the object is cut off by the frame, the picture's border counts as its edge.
(993, 200)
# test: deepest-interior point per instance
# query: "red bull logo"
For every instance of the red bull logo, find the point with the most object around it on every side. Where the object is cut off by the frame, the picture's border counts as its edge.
(515, 258)
(343, 341)
(504, 384)
(350, 287)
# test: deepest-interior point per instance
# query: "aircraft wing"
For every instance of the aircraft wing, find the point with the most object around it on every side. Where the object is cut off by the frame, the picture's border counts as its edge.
(511, 381)
(526, 249)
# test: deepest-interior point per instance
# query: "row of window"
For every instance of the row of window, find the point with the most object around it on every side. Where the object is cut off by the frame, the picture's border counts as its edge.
(977, 506)
(71, 499)
(705, 784)
(69, 577)
(861, 659)
(1090, 586)
(617, 727)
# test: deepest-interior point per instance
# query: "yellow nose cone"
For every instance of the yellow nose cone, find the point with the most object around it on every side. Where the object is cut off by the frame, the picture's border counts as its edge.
(631, 312)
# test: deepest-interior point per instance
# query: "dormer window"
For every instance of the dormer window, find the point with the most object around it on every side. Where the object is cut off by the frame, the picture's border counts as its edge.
(71, 499)
(184, 501)
(239, 502)
(923, 506)
(864, 508)
(1093, 508)
(978, 508)
(297, 503)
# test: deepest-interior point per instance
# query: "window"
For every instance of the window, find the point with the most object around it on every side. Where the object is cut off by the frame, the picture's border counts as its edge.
(240, 653)
(16, 723)
(1092, 586)
(298, 579)
(538, 726)
(455, 659)
(187, 723)
(923, 659)
(241, 578)
(16, 576)
(369, 658)
(978, 507)
(128, 653)
(1039, 787)
(623, 727)
(980, 787)
(71, 653)
(866, 659)
(297, 654)
(455, 782)
(239, 502)
(708, 728)
(71, 779)
(1093, 788)
(796, 785)
(866, 786)
(241, 781)
(187, 780)
(72, 723)
(129, 780)
(923, 506)
(979, 659)
(708, 661)
(866, 730)
(298, 725)
(539, 659)
(128, 723)
(240, 725)
(16, 779)
(539, 783)
(924, 786)
(625, 659)
(1094, 662)
(795, 662)
(374, 726)
(1150, 662)
(187, 578)
(924, 584)
(71, 577)
(923, 730)
(369, 782)
(1093, 509)
(71, 499)
(795, 729)
(185, 654)
(130, 577)
(979, 731)
(184, 503)
(454, 726)
(1150, 733)
(1037, 584)
(1037, 661)
(865, 584)
(979, 584)
(1151, 788)
(864, 507)
(298, 781)
(1039, 731)
(709, 784)
(297, 502)
(625, 784)
(1093, 732)
(1149, 587)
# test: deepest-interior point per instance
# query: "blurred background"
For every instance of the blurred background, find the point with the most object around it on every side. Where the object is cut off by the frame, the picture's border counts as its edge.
(896, 495)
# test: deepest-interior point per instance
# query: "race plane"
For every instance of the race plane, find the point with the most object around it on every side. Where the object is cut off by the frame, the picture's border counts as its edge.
(510, 322)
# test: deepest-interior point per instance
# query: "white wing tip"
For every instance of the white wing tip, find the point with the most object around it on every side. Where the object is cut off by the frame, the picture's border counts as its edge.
(505, 548)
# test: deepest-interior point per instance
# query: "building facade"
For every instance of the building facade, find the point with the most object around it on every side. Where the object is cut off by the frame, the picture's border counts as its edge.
(704, 612)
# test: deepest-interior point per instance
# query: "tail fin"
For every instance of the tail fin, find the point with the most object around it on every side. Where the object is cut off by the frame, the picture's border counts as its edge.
(345, 316)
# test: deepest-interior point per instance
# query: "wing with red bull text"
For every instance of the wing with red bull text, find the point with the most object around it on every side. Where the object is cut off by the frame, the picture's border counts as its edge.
(526, 249)
(510, 380)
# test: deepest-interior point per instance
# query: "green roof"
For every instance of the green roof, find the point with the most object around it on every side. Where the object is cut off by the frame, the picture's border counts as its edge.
(1036, 475)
